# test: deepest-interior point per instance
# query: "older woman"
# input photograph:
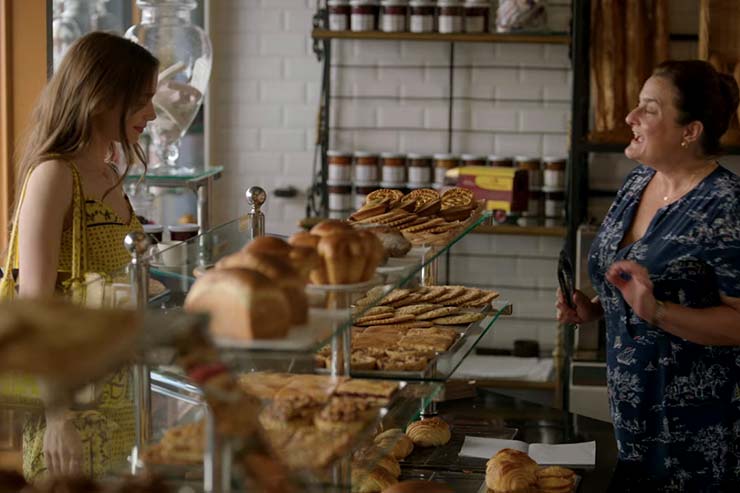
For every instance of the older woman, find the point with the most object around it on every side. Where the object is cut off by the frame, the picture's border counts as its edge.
(666, 267)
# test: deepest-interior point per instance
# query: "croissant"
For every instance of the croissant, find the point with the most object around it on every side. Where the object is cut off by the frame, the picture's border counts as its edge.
(555, 479)
(430, 432)
(511, 471)
(396, 442)
(375, 481)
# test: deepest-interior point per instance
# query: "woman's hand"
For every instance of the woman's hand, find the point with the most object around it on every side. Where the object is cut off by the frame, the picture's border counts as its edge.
(585, 310)
(633, 281)
(62, 445)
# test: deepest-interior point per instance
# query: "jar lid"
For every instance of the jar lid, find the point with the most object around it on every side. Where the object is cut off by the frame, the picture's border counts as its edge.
(525, 158)
(445, 156)
(496, 157)
(335, 153)
(422, 3)
(183, 228)
(449, 3)
(392, 184)
(546, 189)
(152, 228)
(423, 184)
(366, 184)
(553, 159)
(416, 155)
(477, 3)
(338, 183)
(365, 154)
(337, 3)
(392, 155)
(394, 2)
(357, 3)
(472, 157)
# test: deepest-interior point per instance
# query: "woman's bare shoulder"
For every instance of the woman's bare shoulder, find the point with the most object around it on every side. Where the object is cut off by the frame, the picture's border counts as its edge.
(50, 183)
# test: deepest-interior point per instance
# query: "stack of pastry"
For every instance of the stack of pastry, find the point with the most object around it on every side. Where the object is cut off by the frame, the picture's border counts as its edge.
(347, 256)
(423, 216)
(182, 444)
(513, 471)
(257, 292)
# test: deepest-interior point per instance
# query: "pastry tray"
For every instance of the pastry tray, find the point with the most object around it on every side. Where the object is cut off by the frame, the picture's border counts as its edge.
(443, 364)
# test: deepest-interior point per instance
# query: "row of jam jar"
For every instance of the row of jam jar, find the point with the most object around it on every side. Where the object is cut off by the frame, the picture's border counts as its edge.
(416, 16)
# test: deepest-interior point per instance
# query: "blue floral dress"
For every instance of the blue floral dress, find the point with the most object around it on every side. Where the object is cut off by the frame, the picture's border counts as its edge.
(675, 404)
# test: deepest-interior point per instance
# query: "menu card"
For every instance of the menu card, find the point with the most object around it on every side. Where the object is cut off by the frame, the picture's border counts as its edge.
(566, 454)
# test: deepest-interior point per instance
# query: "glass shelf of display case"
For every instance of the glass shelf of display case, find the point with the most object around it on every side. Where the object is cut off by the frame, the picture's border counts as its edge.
(177, 266)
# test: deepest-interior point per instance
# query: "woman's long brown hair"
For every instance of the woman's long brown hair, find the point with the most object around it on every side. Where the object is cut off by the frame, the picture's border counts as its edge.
(98, 72)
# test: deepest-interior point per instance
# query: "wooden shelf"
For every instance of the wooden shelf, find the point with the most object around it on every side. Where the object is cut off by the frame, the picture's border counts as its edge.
(506, 229)
(546, 38)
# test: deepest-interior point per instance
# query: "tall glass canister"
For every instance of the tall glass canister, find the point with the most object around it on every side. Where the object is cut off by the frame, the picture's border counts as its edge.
(185, 56)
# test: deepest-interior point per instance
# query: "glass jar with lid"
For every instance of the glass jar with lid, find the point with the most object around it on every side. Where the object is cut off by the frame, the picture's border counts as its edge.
(185, 56)
(554, 171)
(500, 161)
(442, 163)
(340, 195)
(393, 167)
(533, 168)
(339, 12)
(419, 168)
(477, 13)
(366, 167)
(421, 16)
(340, 165)
(472, 160)
(364, 15)
(393, 15)
(451, 14)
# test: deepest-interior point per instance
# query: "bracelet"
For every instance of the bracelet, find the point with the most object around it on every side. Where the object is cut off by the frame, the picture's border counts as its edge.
(659, 314)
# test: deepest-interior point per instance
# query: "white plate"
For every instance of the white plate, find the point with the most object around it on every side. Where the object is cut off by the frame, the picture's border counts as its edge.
(349, 288)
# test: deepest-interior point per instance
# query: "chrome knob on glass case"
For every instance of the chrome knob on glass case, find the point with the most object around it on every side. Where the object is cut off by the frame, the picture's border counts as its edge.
(256, 198)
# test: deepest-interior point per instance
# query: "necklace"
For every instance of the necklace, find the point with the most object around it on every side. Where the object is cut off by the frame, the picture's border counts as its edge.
(695, 179)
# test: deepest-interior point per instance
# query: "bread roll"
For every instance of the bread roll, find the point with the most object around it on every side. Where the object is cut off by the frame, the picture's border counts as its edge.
(270, 245)
(511, 471)
(331, 227)
(243, 304)
(304, 260)
(419, 486)
(304, 239)
(374, 253)
(281, 272)
(394, 243)
(396, 442)
(344, 258)
(430, 432)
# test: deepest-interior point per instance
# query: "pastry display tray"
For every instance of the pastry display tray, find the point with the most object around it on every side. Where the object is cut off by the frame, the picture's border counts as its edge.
(443, 364)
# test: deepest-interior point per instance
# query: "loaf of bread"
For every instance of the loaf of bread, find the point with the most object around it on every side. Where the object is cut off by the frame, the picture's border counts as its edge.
(242, 304)
(280, 271)
(511, 471)
(305, 240)
(430, 432)
(270, 245)
(330, 227)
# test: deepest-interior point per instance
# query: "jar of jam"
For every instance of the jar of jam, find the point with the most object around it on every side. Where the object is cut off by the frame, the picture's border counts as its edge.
(393, 15)
(154, 231)
(532, 165)
(535, 204)
(339, 11)
(364, 15)
(442, 163)
(477, 13)
(554, 206)
(421, 16)
(361, 192)
(554, 171)
(183, 232)
(450, 16)
(340, 165)
(419, 168)
(472, 160)
(340, 195)
(500, 161)
(393, 166)
(366, 166)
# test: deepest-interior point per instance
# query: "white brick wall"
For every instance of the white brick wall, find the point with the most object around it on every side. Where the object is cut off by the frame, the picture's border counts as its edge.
(264, 97)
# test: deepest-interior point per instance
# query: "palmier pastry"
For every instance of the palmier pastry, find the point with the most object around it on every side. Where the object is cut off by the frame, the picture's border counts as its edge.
(430, 432)
(396, 442)
(511, 471)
